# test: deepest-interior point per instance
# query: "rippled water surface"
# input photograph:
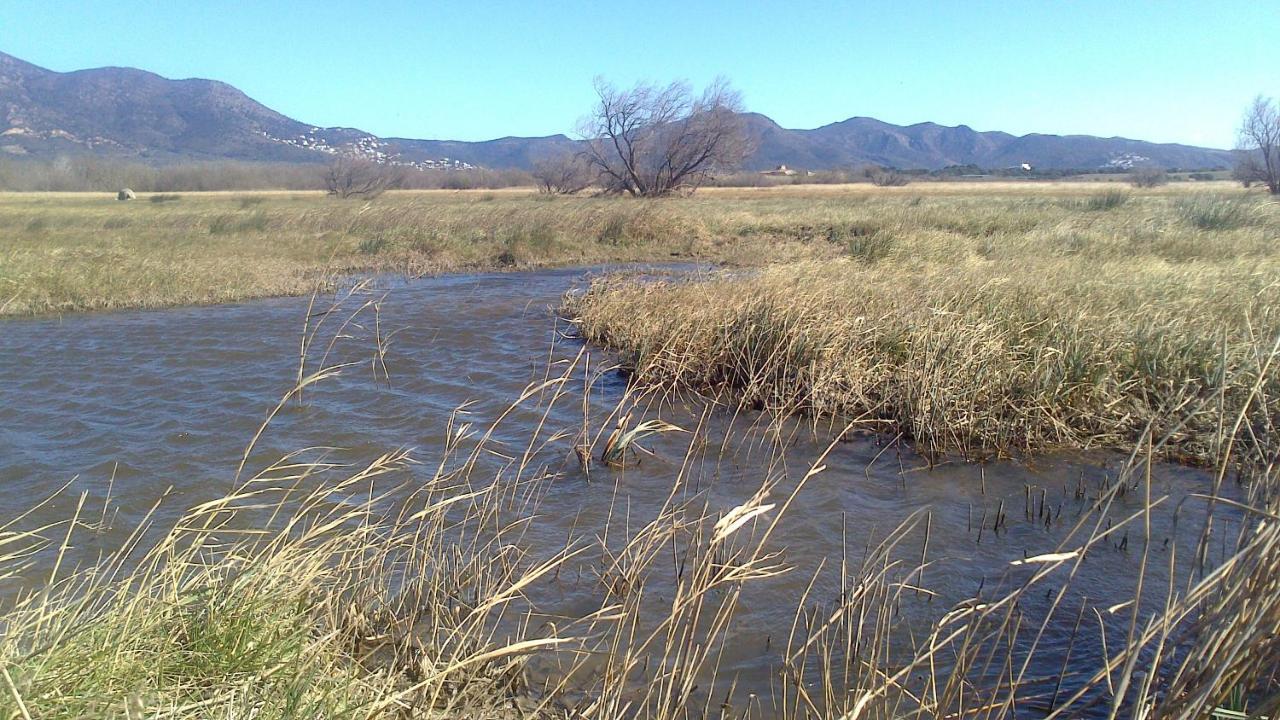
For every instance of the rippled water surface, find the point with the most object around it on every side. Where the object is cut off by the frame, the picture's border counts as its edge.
(141, 404)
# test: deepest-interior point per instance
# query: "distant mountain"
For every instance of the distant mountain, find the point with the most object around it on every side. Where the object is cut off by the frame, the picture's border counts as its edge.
(861, 140)
(126, 112)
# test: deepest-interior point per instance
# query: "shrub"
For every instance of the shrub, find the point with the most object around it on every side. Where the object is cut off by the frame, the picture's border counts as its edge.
(164, 198)
(563, 174)
(1148, 177)
(888, 178)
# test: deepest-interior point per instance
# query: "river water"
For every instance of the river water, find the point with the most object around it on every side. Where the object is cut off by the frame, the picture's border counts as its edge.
(130, 406)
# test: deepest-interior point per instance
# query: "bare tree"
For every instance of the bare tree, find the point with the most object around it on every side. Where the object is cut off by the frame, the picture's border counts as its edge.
(652, 140)
(1260, 143)
(885, 177)
(563, 174)
(352, 176)
(1248, 168)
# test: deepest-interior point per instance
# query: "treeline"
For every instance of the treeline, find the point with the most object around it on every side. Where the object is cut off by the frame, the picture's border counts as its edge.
(96, 174)
(889, 176)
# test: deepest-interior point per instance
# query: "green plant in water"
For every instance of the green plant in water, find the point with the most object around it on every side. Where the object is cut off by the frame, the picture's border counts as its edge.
(621, 440)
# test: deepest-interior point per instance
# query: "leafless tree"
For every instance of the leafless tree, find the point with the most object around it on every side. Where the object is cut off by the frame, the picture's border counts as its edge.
(886, 177)
(563, 174)
(1248, 168)
(651, 140)
(352, 176)
(1260, 143)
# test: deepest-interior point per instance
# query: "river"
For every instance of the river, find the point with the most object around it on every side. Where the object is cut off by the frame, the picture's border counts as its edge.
(130, 406)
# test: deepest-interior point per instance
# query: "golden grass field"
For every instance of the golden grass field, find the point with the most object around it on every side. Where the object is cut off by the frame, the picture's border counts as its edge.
(68, 252)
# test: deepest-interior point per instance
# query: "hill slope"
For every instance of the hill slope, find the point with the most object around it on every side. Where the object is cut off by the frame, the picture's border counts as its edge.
(134, 113)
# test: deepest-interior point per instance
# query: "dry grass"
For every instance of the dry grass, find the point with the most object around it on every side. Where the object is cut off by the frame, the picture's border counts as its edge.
(980, 326)
(67, 252)
(74, 252)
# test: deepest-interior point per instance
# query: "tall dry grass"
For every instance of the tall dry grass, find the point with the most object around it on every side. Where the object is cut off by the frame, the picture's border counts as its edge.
(1004, 338)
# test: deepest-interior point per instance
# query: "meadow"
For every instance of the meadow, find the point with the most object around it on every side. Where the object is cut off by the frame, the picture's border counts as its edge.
(69, 252)
(75, 252)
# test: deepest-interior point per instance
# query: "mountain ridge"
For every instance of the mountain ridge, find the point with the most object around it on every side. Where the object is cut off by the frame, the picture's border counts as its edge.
(129, 112)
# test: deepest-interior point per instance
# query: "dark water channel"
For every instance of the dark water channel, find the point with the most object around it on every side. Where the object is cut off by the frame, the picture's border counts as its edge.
(143, 403)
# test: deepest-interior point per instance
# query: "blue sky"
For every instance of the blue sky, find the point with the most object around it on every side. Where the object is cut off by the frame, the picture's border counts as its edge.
(1163, 71)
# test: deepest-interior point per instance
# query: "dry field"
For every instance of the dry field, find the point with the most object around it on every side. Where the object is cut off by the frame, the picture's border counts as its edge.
(68, 252)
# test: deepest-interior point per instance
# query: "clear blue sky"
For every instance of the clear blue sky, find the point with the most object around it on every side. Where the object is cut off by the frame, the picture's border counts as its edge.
(1164, 71)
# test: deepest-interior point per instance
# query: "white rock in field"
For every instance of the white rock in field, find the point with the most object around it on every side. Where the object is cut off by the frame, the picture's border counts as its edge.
(125, 194)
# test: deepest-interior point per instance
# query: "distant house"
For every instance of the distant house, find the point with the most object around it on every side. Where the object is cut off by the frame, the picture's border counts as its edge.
(780, 170)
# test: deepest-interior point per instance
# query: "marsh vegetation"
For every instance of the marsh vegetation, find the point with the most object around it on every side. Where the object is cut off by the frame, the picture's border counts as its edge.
(997, 328)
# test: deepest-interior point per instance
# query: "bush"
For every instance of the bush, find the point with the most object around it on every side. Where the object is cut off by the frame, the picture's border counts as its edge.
(164, 198)
(888, 178)
(1148, 177)
(563, 174)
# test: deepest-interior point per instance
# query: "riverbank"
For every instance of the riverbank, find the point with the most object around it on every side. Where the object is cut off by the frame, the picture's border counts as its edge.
(72, 252)
(1007, 327)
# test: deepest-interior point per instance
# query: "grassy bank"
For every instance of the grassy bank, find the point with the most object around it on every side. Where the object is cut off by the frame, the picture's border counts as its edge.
(985, 325)
(66, 252)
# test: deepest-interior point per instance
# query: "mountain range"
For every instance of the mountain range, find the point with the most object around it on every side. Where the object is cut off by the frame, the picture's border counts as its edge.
(126, 112)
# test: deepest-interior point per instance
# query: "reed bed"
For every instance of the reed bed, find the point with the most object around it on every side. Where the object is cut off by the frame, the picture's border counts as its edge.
(1000, 343)
(394, 589)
